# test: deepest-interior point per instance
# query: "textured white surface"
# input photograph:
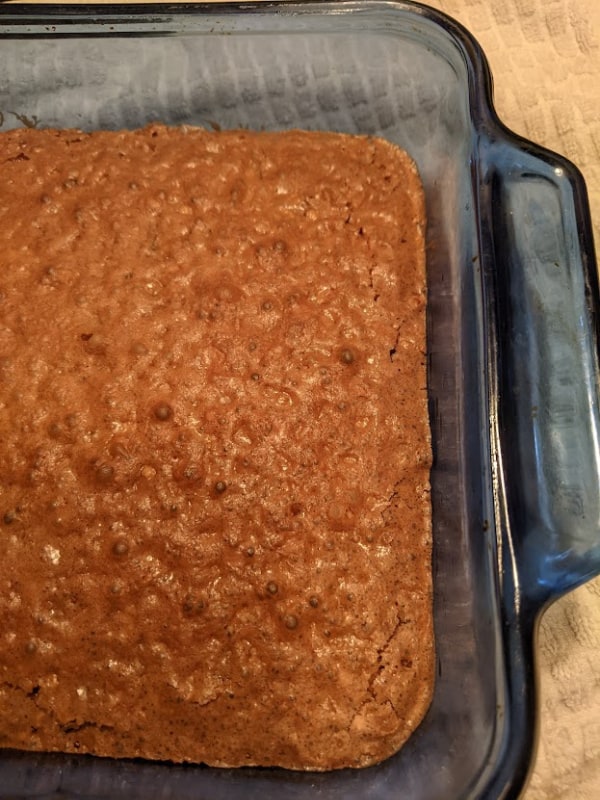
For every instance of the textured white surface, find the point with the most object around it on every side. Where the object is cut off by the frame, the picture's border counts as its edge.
(545, 57)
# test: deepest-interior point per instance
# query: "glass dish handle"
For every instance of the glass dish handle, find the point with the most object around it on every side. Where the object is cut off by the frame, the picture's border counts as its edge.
(547, 312)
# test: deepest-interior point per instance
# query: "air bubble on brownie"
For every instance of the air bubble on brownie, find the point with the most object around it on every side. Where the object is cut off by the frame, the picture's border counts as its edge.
(347, 356)
(120, 547)
(9, 517)
(104, 473)
(139, 349)
(49, 277)
(94, 344)
(220, 487)
(291, 621)
(272, 587)
(162, 412)
(54, 430)
(187, 473)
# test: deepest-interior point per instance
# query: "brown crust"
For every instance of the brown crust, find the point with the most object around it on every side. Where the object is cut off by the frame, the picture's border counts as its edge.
(216, 521)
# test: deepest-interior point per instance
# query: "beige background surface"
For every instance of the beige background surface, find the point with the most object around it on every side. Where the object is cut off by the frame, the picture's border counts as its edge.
(545, 57)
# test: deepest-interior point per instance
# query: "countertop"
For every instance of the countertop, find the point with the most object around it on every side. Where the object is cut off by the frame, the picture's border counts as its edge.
(545, 58)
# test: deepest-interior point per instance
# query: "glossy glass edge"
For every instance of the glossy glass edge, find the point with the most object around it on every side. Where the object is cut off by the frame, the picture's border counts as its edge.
(505, 777)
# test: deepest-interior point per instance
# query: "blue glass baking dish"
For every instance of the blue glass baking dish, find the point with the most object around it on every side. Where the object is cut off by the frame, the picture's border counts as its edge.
(512, 340)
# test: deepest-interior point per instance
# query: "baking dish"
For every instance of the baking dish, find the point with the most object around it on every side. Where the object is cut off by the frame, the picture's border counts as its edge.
(512, 340)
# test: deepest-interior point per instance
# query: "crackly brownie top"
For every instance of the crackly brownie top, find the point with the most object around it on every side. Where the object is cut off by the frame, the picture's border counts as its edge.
(215, 521)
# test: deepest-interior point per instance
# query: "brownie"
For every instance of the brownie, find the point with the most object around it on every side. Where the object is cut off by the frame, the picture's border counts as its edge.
(215, 505)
